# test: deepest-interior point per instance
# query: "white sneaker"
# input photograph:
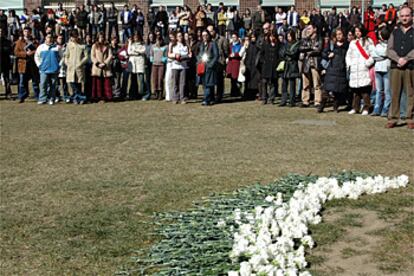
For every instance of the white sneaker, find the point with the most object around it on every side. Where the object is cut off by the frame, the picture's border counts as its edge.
(352, 111)
(57, 100)
(51, 102)
(39, 102)
(364, 113)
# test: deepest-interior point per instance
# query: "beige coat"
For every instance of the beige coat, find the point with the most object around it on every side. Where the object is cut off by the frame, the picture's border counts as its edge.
(76, 56)
(103, 55)
(136, 52)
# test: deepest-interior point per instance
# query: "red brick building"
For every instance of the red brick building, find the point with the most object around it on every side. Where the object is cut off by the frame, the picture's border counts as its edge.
(242, 4)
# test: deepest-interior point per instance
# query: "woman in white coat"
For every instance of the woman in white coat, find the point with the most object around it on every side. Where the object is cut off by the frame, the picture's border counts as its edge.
(168, 82)
(359, 62)
(136, 66)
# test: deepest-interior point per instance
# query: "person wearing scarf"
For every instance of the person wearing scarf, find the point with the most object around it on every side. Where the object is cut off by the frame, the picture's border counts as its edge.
(233, 64)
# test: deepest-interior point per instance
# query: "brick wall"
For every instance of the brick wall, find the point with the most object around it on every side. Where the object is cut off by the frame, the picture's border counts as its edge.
(302, 5)
(248, 4)
(244, 4)
(32, 4)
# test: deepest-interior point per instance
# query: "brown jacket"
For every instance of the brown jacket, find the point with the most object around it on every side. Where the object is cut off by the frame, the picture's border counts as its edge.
(103, 55)
(25, 63)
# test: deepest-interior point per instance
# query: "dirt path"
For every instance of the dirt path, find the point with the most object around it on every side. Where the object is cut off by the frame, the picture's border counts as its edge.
(352, 254)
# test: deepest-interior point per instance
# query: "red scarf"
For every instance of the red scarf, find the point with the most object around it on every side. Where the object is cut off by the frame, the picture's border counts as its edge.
(362, 50)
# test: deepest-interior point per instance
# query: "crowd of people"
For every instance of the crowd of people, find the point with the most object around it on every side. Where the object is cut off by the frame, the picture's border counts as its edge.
(363, 61)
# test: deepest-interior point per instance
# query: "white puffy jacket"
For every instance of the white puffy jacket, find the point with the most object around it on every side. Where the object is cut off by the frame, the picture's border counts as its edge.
(358, 66)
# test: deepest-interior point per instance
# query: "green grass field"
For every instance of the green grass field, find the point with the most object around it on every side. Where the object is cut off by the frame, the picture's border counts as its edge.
(79, 183)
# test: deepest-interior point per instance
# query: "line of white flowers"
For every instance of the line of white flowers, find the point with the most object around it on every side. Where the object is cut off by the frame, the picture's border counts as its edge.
(273, 241)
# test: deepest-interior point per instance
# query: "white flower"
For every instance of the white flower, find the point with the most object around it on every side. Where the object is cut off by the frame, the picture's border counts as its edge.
(245, 269)
(274, 238)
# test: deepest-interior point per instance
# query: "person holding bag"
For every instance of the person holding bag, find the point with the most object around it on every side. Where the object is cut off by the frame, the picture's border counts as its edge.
(336, 82)
(359, 63)
(180, 54)
(206, 67)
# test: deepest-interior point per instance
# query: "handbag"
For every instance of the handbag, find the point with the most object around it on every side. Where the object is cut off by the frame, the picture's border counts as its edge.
(281, 66)
(201, 69)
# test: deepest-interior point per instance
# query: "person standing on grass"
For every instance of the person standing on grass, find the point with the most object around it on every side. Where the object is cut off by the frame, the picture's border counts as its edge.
(5, 61)
(76, 57)
(223, 47)
(158, 59)
(101, 55)
(168, 82)
(252, 73)
(62, 85)
(180, 54)
(208, 55)
(336, 82)
(136, 53)
(291, 70)
(47, 58)
(311, 49)
(233, 64)
(401, 53)
(124, 61)
(24, 51)
(382, 76)
(359, 63)
(116, 68)
(269, 59)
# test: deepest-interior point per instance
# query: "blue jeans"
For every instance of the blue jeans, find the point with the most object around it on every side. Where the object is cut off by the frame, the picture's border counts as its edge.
(136, 90)
(126, 34)
(47, 83)
(208, 94)
(24, 87)
(78, 96)
(184, 28)
(382, 82)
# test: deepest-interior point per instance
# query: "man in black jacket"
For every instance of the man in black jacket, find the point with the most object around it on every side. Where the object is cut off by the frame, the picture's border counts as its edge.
(5, 51)
(401, 53)
(269, 59)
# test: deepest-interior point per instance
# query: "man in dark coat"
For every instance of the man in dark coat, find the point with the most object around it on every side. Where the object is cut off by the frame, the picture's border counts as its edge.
(269, 59)
(209, 55)
(5, 51)
(223, 48)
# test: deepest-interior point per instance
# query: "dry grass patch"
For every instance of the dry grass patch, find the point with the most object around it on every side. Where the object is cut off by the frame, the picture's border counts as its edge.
(78, 183)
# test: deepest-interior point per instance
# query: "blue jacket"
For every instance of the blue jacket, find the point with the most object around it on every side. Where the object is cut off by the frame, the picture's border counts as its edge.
(47, 58)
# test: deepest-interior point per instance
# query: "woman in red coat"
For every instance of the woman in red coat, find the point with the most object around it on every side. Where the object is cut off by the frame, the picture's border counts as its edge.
(233, 64)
